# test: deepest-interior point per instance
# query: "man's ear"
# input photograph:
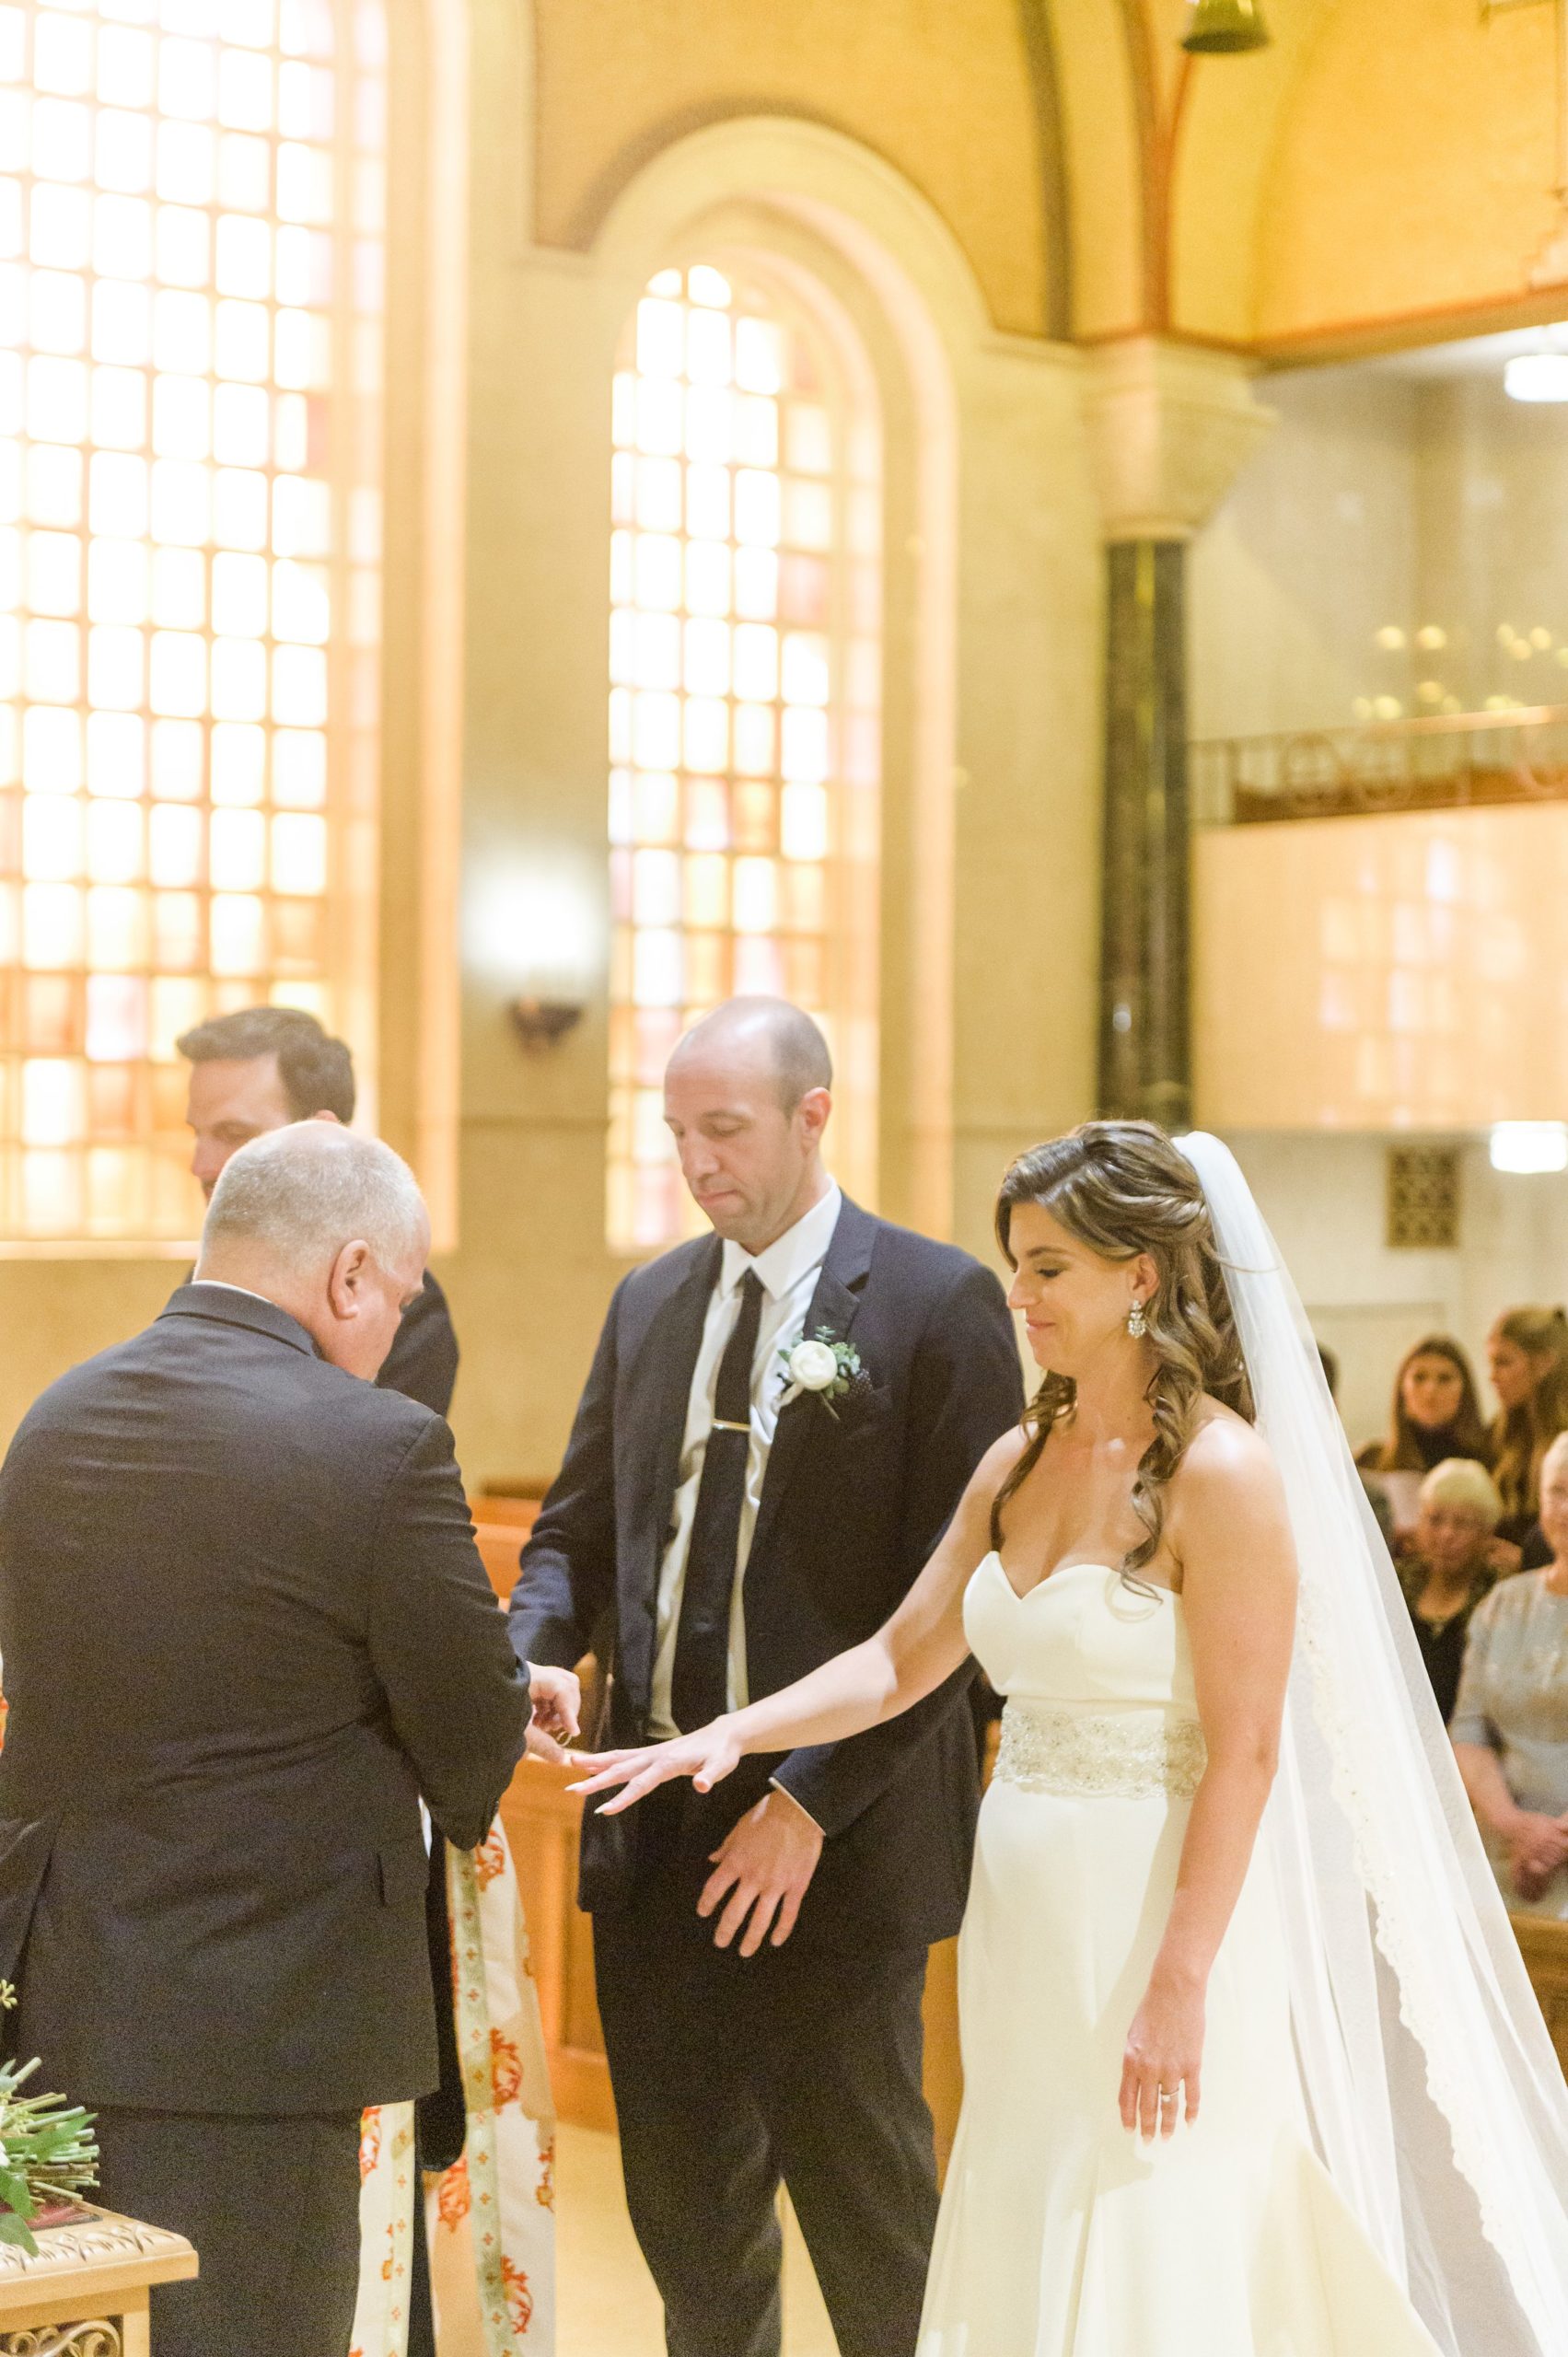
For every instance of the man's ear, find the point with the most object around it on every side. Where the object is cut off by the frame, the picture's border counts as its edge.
(814, 1109)
(324, 1116)
(345, 1278)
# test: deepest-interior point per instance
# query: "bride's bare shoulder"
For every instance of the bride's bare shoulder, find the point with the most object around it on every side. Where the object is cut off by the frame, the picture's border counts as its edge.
(1000, 1458)
(977, 1508)
(1228, 1505)
(1225, 1455)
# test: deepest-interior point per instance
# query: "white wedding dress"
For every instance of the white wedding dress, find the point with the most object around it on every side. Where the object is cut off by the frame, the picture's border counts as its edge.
(1061, 2234)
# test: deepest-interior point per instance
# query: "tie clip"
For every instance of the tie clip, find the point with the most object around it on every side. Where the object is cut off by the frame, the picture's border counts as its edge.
(721, 1425)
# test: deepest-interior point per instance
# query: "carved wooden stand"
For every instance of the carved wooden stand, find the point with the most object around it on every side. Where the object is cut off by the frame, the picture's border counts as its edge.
(86, 2294)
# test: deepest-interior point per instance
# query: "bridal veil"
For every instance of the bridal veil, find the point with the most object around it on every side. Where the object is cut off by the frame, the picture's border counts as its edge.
(1435, 2098)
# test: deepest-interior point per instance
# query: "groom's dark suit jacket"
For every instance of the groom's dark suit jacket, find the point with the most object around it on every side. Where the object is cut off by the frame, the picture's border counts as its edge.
(245, 1627)
(850, 1512)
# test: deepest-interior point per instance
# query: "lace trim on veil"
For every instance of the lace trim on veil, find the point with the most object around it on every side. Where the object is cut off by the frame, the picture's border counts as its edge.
(1387, 1805)
(1419, 2001)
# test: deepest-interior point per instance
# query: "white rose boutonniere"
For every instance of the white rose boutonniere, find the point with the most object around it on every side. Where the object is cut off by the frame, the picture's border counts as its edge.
(823, 1367)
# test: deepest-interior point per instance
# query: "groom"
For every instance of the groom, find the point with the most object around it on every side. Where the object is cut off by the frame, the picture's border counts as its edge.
(760, 1951)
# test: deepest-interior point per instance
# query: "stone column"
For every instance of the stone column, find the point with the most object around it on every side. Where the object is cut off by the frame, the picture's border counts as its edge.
(1170, 426)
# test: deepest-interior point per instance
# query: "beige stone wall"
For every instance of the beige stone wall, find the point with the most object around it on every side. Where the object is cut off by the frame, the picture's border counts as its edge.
(1315, 550)
(55, 1313)
(941, 92)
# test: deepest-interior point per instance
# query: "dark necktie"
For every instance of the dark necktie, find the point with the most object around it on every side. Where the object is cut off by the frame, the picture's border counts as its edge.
(700, 1686)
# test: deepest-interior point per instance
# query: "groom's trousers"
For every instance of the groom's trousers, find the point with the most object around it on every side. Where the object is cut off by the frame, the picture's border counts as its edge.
(273, 2207)
(732, 2073)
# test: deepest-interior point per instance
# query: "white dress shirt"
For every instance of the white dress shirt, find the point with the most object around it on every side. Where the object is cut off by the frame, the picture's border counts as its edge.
(788, 1270)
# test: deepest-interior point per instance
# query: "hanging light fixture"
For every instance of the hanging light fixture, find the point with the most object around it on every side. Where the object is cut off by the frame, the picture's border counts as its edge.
(1528, 1146)
(1537, 376)
(1222, 27)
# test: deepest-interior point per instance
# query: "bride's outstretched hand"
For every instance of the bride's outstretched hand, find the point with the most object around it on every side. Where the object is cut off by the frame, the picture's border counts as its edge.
(706, 1756)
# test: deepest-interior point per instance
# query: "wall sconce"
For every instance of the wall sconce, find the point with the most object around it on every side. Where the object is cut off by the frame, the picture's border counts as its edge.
(1222, 27)
(543, 1023)
(533, 927)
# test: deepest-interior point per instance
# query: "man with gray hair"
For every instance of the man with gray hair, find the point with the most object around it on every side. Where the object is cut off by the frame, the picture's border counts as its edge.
(246, 1631)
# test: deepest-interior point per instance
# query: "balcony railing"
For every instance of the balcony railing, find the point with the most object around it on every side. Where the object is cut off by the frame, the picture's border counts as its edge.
(1452, 762)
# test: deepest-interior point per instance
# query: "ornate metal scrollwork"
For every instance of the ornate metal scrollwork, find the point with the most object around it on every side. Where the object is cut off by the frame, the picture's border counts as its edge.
(97, 2337)
(1449, 761)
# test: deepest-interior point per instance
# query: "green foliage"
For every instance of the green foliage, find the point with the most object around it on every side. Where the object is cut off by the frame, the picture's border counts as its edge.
(47, 2150)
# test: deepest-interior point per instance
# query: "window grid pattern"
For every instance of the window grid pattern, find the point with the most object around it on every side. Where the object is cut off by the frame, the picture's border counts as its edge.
(744, 720)
(191, 261)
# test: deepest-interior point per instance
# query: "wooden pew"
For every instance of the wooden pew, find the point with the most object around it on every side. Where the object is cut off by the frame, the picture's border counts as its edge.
(1543, 1944)
(542, 1822)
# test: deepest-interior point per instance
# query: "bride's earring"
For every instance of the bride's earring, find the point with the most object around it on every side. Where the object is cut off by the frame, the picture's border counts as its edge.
(1137, 1324)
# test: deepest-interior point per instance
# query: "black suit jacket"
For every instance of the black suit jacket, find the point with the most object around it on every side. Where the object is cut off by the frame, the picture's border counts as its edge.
(245, 1627)
(422, 1361)
(850, 1512)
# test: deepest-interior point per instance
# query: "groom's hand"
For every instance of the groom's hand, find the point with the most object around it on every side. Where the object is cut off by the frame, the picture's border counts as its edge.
(557, 1703)
(765, 1864)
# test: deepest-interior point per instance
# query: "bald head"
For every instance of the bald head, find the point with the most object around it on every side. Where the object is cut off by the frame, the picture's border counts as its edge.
(745, 1099)
(765, 1033)
(330, 1226)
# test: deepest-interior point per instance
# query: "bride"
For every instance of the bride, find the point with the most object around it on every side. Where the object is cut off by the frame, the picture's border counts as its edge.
(1251, 2065)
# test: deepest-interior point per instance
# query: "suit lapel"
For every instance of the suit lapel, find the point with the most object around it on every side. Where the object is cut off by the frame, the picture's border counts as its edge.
(666, 1363)
(834, 1306)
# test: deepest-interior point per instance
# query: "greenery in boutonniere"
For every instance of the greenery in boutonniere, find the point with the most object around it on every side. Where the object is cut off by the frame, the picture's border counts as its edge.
(826, 1367)
(47, 2151)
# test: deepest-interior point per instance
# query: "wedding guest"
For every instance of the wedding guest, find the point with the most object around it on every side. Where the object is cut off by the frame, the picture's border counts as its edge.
(780, 1420)
(246, 1631)
(1434, 1414)
(1527, 1358)
(1449, 1568)
(261, 1068)
(1510, 1724)
(252, 1072)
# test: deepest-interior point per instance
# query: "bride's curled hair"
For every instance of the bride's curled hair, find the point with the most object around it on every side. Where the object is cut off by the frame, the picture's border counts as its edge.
(1123, 1189)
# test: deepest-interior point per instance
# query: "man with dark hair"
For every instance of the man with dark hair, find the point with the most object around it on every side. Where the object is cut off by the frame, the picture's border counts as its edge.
(314, 1071)
(261, 1068)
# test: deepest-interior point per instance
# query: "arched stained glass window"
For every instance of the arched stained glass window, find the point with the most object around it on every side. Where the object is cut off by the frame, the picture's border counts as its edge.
(191, 261)
(745, 664)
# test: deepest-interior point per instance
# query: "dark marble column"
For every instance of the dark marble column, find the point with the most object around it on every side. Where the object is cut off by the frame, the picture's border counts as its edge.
(1145, 1061)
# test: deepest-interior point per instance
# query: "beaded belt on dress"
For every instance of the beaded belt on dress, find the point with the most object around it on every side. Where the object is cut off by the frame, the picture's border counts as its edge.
(1122, 1756)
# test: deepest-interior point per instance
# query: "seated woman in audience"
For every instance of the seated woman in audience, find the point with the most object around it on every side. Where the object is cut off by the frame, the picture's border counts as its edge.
(1527, 1354)
(1510, 1724)
(1449, 1566)
(1435, 1415)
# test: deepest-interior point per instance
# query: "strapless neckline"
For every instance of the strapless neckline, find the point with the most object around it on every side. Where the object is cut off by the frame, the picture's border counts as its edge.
(1064, 1571)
